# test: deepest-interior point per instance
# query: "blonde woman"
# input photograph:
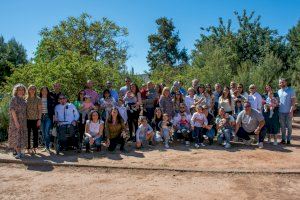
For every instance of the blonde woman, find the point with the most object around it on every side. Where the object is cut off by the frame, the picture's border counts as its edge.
(17, 132)
(34, 114)
(166, 103)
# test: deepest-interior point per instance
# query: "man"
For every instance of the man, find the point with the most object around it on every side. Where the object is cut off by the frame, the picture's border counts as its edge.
(217, 93)
(125, 88)
(183, 132)
(113, 92)
(151, 99)
(287, 102)
(56, 92)
(250, 122)
(66, 115)
(90, 92)
(195, 84)
(181, 89)
(255, 98)
(233, 87)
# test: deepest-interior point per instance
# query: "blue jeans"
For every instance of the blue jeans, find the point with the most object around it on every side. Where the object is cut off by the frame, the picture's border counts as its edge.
(285, 123)
(199, 134)
(45, 128)
(224, 135)
(97, 142)
(210, 133)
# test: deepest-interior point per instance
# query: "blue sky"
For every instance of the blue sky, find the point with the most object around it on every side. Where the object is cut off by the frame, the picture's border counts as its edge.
(24, 19)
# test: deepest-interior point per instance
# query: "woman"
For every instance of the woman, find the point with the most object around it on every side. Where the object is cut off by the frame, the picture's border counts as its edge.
(34, 115)
(210, 97)
(158, 88)
(166, 103)
(48, 105)
(271, 113)
(94, 131)
(158, 115)
(106, 103)
(17, 132)
(78, 104)
(243, 93)
(226, 101)
(115, 130)
(133, 101)
(200, 98)
(177, 100)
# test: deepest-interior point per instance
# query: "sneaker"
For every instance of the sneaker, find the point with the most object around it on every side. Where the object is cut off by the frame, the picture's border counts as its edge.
(202, 145)
(18, 156)
(44, 150)
(224, 143)
(197, 145)
(187, 143)
(48, 151)
(288, 142)
(227, 145)
(166, 145)
(260, 145)
(235, 138)
(248, 142)
(269, 140)
(275, 143)
(282, 142)
(205, 137)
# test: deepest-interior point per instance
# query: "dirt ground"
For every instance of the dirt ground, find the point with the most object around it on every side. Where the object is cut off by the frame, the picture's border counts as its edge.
(18, 181)
(21, 182)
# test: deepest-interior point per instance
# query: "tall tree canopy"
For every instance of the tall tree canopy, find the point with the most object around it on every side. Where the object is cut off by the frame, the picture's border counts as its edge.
(12, 55)
(164, 50)
(100, 40)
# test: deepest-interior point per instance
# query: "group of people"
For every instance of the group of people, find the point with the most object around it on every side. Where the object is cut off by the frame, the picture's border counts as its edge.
(151, 114)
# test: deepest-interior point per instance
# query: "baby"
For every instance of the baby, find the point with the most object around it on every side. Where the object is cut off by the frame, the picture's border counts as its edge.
(270, 104)
(184, 125)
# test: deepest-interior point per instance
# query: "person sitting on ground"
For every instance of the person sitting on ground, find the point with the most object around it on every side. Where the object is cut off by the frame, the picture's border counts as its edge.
(181, 124)
(115, 130)
(94, 131)
(250, 122)
(225, 127)
(144, 133)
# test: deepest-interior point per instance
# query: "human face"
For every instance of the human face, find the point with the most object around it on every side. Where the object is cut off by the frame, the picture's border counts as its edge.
(221, 112)
(167, 93)
(108, 84)
(89, 84)
(240, 88)
(226, 91)
(282, 83)
(95, 116)
(44, 92)
(32, 91)
(268, 88)
(158, 113)
(114, 112)
(57, 87)
(106, 94)
(232, 85)
(252, 89)
(62, 100)
(182, 108)
(133, 88)
(218, 87)
(127, 81)
(247, 107)
(201, 90)
(165, 118)
(20, 92)
(200, 110)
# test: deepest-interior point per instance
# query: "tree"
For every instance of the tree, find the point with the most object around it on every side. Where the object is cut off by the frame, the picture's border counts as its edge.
(100, 40)
(164, 50)
(12, 54)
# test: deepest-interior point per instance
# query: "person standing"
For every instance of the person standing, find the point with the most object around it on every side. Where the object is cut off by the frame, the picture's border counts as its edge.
(255, 98)
(90, 92)
(34, 115)
(287, 100)
(17, 131)
(126, 87)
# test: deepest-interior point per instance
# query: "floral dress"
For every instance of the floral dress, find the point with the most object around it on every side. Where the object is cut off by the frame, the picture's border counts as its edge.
(17, 138)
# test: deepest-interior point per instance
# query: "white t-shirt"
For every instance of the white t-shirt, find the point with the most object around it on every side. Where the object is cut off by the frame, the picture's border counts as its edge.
(198, 116)
(94, 127)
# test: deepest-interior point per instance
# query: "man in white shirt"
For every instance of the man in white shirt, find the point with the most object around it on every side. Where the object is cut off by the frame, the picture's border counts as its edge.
(66, 115)
(255, 98)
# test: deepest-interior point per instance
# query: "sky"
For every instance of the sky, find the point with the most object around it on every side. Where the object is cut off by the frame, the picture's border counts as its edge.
(23, 20)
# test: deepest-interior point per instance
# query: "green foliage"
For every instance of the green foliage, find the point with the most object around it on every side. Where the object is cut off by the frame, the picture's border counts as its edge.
(100, 40)
(164, 49)
(12, 54)
(4, 117)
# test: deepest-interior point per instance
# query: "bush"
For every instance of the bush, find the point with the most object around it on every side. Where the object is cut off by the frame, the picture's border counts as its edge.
(4, 117)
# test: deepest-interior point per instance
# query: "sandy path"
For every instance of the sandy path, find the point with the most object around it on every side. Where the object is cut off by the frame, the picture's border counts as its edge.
(20, 182)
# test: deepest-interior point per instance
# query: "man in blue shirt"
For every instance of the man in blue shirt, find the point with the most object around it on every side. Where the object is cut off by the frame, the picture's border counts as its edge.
(287, 102)
(113, 92)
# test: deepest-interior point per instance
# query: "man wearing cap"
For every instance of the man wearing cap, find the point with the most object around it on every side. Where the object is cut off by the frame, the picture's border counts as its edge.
(250, 122)
(113, 92)
(66, 115)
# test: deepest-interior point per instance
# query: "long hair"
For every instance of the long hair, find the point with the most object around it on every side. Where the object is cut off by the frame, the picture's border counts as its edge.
(48, 92)
(104, 91)
(29, 87)
(91, 114)
(119, 118)
(136, 88)
(17, 87)
(78, 95)
(228, 95)
(155, 111)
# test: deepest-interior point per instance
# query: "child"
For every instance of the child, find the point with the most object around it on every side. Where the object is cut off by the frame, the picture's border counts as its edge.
(184, 125)
(198, 120)
(224, 124)
(271, 103)
(238, 107)
(144, 133)
(165, 129)
(87, 106)
(106, 103)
